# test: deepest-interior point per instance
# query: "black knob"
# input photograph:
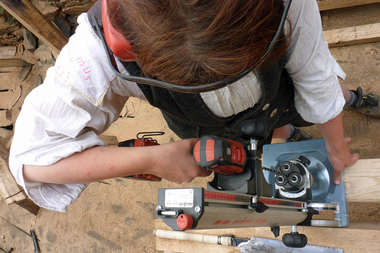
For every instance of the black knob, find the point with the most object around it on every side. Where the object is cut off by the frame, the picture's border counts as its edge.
(304, 160)
(294, 240)
(253, 128)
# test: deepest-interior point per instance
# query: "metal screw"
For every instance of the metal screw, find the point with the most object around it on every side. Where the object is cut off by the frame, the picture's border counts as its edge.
(159, 207)
(198, 209)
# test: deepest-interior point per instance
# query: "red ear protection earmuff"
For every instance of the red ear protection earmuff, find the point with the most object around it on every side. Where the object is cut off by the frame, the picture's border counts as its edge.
(118, 44)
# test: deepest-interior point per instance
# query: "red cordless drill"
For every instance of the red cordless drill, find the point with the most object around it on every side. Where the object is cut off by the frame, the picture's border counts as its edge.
(143, 141)
(220, 155)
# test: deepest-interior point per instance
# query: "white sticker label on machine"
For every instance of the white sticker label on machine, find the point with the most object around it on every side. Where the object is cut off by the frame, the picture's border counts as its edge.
(179, 198)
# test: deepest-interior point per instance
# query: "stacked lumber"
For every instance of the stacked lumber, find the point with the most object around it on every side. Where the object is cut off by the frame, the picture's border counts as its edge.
(36, 22)
(351, 35)
(10, 29)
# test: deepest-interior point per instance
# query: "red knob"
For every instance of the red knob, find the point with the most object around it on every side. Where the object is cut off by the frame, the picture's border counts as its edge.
(184, 221)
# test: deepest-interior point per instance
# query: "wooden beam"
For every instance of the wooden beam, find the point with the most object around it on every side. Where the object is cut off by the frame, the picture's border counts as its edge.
(363, 181)
(358, 237)
(30, 17)
(325, 5)
(352, 35)
(13, 63)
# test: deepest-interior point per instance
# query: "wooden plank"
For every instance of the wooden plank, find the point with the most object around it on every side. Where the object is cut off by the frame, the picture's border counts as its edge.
(13, 63)
(325, 5)
(353, 35)
(352, 239)
(363, 181)
(30, 17)
(8, 52)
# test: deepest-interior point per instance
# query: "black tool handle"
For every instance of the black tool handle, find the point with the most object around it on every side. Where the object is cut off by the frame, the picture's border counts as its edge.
(253, 129)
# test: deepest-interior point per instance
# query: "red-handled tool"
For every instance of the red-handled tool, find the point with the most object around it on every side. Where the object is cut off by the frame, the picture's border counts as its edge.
(143, 141)
(220, 155)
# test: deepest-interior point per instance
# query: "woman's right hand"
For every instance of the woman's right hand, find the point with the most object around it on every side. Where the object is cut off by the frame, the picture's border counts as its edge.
(175, 162)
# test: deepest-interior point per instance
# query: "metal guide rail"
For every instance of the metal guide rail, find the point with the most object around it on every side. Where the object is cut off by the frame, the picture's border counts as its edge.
(183, 209)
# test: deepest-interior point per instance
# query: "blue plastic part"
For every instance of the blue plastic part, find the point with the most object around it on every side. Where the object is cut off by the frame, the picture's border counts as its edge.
(275, 154)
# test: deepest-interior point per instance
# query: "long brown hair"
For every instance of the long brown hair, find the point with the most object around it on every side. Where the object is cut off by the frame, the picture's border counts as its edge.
(190, 42)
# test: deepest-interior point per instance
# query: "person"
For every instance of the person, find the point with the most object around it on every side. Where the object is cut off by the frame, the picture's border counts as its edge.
(56, 150)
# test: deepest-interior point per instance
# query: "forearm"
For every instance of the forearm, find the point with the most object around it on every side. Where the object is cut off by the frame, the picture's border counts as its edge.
(173, 161)
(91, 165)
(332, 132)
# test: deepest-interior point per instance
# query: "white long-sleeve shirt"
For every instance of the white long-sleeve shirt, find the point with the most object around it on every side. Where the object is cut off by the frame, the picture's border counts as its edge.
(81, 97)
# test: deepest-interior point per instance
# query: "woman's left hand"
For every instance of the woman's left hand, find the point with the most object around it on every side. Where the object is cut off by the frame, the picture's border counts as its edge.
(337, 147)
(340, 158)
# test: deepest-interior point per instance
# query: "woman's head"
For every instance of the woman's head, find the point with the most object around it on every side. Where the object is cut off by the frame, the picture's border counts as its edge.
(190, 42)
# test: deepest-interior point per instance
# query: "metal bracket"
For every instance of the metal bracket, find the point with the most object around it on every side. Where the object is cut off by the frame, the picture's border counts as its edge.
(326, 193)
